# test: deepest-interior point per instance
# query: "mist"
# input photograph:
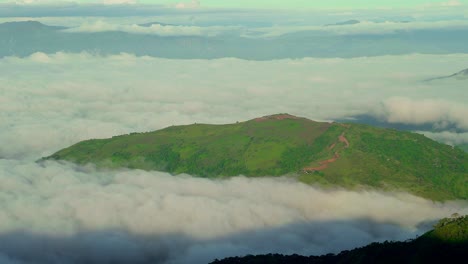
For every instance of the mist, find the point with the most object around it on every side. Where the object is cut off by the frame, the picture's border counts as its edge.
(62, 213)
(51, 101)
(447, 137)
(57, 212)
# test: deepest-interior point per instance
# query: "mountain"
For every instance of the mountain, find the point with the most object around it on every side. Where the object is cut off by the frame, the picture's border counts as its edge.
(348, 22)
(446, 243)
(28, 26)
(461, 75)
(16, 37)
(331, 154)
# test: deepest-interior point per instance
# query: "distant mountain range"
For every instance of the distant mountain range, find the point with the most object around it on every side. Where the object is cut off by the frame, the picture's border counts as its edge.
(16, 39)
(331, 154)
(446, 243)
(7, 27)
(348, 22)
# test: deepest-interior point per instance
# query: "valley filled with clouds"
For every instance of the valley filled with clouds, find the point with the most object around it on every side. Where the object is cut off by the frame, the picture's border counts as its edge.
(63, 98)
(57, 212)
(51, 101)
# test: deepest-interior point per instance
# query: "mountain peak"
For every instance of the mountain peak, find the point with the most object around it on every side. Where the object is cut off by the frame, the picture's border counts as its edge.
(28, 25)
(344, 23)
(331, 154)
(277, 117)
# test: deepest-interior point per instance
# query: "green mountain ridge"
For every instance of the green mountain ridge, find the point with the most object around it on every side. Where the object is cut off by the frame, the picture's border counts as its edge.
(330, 154)
(446, 243)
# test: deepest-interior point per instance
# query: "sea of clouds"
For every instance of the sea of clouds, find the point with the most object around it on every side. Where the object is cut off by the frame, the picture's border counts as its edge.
(50, 101)
(61, 213)
(55, 212)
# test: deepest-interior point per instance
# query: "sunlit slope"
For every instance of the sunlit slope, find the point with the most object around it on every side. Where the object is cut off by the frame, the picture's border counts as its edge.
(331, 154)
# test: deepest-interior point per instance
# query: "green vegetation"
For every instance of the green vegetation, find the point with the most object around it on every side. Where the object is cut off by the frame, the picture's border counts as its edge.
(464, 147)
(447, 243)
(452, 230)
(285, 145)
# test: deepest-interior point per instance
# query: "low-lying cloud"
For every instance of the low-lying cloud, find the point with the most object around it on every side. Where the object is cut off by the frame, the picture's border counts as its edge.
(155, 29)
(440, 113)
(365, 28)
(50, 101)
(61, 213)
(450, 138)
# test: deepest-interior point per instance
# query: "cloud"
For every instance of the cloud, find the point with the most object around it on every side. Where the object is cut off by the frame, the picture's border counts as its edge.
(367, 27)
(119, 2)
(155, 29)
(75, 214)
(73, 2)
(452, 3)
(440, 113)
(51, 101)
(32, 2)
(364, 27)
(449, 3)
(188, 5)
(62, 213)
(447, 137)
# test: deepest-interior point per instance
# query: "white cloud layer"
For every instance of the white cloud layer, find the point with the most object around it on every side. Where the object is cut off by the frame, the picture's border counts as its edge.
(188, 5)
(119, 2)
(449, 3)
(60, 213)
(450, 138)
(48, 102)
(440, 113)
(365, 27)
(155, 29)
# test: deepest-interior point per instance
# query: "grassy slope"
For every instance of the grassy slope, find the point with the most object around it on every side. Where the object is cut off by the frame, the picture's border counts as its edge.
(447, 243)
(387, 158)
(382, 158)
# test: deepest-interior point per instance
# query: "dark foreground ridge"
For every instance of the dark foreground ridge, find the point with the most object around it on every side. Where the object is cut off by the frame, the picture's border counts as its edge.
(446, 243)
(330, 154)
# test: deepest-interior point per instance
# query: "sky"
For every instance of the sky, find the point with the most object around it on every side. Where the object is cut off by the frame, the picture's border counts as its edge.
(275, 4)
